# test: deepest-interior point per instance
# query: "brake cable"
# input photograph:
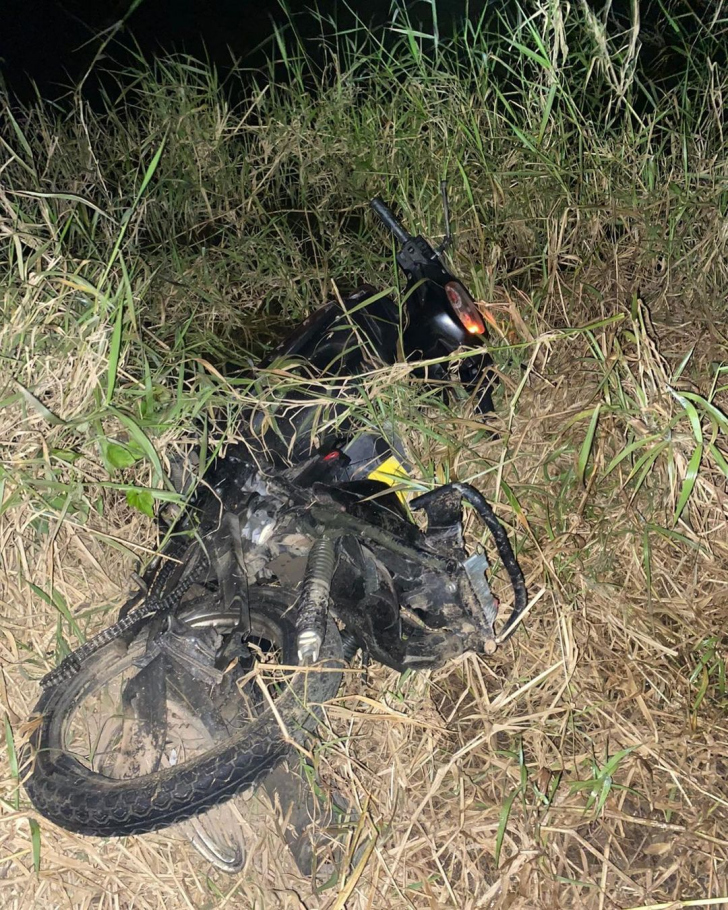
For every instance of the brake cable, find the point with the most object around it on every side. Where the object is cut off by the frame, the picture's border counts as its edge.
(520, 595)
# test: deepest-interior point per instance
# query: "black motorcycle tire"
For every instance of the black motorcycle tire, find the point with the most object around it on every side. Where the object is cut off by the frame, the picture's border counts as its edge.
(83, 801)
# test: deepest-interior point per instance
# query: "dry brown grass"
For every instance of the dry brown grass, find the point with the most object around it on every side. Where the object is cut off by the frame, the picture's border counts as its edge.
(508, 757)
(586, 764)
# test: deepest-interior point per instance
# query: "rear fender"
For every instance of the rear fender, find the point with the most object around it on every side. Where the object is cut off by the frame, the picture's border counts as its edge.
(338, 337)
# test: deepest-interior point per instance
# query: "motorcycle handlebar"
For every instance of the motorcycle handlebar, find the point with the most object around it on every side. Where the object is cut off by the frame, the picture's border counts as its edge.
(387, 217)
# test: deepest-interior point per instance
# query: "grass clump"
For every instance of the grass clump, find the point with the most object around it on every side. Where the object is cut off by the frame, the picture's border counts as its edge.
(184, 224)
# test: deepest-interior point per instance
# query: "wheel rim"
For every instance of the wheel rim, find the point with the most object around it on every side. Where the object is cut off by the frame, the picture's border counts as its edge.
(94, 731)
(101, 703)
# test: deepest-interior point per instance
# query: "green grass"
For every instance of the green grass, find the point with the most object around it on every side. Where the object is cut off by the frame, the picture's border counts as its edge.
(148, 244)
(173, 225)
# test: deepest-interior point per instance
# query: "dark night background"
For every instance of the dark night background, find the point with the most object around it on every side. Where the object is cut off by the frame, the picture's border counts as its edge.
(50, 43)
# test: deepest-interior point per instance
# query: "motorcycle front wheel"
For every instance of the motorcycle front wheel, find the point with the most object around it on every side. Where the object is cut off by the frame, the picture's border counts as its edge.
(102, 762)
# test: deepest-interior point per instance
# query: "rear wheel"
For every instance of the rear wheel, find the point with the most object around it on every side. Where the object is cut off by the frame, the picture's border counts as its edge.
(151, 732)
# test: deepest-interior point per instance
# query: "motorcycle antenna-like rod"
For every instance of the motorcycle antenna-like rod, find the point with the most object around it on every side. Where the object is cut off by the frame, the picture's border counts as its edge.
(446, 209)
(448, 239)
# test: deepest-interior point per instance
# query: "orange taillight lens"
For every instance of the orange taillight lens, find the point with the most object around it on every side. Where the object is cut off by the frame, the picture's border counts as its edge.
(465, 308)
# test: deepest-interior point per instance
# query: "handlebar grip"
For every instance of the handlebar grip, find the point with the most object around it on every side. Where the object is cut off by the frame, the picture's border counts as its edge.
(390, 222)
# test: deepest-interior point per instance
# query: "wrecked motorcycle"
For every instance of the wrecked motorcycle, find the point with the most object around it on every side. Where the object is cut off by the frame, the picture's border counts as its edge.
(286, 561)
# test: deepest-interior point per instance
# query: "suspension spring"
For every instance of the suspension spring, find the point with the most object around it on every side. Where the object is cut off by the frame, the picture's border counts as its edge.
(314, 602)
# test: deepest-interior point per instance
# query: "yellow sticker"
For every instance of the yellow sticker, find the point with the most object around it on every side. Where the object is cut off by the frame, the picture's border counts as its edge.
(390, 472)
